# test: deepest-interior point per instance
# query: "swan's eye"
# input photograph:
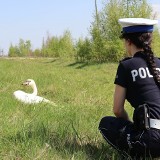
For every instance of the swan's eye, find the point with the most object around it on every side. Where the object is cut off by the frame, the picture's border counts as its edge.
(28, 82)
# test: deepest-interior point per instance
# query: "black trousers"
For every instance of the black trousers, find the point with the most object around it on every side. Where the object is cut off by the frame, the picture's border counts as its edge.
(122, 135)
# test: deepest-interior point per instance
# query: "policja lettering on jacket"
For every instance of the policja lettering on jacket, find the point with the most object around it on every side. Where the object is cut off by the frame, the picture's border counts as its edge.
(142, 73)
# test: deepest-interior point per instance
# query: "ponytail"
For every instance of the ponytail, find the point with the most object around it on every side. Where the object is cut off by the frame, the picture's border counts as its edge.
(151, 62)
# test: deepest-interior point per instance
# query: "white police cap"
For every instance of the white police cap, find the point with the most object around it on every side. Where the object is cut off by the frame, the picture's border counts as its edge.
(131, 25)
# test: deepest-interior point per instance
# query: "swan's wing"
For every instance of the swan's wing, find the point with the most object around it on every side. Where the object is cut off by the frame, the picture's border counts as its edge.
(19, 95)
(30, 98)
(41, 99)
(36, 99)
(26, 97)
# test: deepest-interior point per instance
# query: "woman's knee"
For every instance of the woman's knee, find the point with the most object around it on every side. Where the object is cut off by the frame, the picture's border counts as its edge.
(106, 122)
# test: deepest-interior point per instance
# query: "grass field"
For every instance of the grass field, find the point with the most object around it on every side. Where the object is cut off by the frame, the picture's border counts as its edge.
(69, 131)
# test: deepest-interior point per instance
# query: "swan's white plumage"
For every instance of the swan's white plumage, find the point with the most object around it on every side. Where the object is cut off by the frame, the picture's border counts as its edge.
(30, 98)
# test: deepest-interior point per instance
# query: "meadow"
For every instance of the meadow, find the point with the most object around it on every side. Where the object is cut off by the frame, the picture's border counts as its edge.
(69, 131)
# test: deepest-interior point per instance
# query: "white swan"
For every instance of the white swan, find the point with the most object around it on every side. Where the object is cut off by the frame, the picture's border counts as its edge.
(30, 98)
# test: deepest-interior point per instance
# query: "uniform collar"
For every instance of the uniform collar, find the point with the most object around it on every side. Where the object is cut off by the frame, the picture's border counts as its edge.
(140, 54)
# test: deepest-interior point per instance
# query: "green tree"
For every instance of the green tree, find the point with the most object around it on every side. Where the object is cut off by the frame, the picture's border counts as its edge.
(106, 31)
(37, 53)
(84, 50)
(23, 49)
(66, 45)
(58, 46)
(13, 51)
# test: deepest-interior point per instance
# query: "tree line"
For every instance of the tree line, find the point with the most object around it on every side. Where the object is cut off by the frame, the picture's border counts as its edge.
(103, 44)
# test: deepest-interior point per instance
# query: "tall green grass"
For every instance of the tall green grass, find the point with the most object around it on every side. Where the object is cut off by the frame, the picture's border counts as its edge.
(83, 94)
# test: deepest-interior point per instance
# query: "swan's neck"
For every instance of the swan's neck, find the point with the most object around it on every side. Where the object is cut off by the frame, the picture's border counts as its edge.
(34, 89)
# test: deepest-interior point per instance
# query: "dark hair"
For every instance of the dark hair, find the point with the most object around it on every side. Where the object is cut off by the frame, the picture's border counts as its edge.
(143, 40)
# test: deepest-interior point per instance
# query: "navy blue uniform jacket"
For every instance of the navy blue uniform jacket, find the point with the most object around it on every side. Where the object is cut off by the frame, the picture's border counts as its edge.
(134, 75)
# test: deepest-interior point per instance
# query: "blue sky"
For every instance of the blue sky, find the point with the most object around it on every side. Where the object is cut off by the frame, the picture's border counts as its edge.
(33, 19)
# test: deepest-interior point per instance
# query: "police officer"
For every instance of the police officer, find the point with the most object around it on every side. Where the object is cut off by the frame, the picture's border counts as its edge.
(138, 81)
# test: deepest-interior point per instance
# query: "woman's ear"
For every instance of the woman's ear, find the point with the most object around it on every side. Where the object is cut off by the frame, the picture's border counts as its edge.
(128, 41)
(128, 45)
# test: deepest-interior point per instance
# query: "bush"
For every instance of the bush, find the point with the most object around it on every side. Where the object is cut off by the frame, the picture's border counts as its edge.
(58, 46)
